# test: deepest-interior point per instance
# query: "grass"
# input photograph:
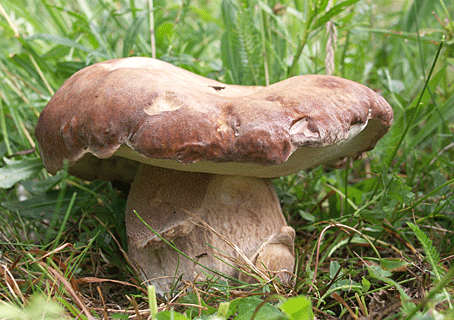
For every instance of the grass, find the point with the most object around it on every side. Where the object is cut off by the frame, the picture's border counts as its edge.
(373, 241)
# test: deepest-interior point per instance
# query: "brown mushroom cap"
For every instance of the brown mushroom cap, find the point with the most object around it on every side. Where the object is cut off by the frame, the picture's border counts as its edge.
(150, 111)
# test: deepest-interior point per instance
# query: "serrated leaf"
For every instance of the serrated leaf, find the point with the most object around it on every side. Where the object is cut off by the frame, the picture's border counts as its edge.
(15, 171)
(431, 252)
(400, 191)
(240, 46)
(334, 11)
(375, 216)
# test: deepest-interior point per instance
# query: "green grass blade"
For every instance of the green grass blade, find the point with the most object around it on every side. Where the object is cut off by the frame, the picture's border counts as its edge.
(415, 110)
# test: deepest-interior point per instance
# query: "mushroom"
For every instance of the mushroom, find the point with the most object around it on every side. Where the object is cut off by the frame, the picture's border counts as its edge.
(201, 155)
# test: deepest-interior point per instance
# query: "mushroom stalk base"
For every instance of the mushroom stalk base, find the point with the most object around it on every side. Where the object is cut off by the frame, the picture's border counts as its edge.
(244, 210)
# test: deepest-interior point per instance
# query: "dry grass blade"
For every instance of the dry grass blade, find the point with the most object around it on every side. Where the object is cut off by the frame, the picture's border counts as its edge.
(50, 253)
(199, 299)
(339, 299)
(61, 264)
(11, 283)
(361, 305)
(74, 295)
(136, 307)
(97, 280)
(104, 307)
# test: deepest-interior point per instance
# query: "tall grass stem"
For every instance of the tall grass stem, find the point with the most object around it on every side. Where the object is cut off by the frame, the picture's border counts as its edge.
(152, 31)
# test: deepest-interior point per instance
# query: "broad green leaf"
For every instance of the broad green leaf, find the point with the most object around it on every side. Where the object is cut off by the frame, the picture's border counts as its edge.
(245, 308)
(170, 315)
(17, 170)
(393, 264)
(366, 284)
(41, 186)
(192, 299)
(334, 267)
(298, 308)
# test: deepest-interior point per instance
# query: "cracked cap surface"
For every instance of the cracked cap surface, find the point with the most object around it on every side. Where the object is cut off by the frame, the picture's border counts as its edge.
(147, 110)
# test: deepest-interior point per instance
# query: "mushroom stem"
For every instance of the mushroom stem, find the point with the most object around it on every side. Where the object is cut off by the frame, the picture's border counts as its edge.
(244, 210)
